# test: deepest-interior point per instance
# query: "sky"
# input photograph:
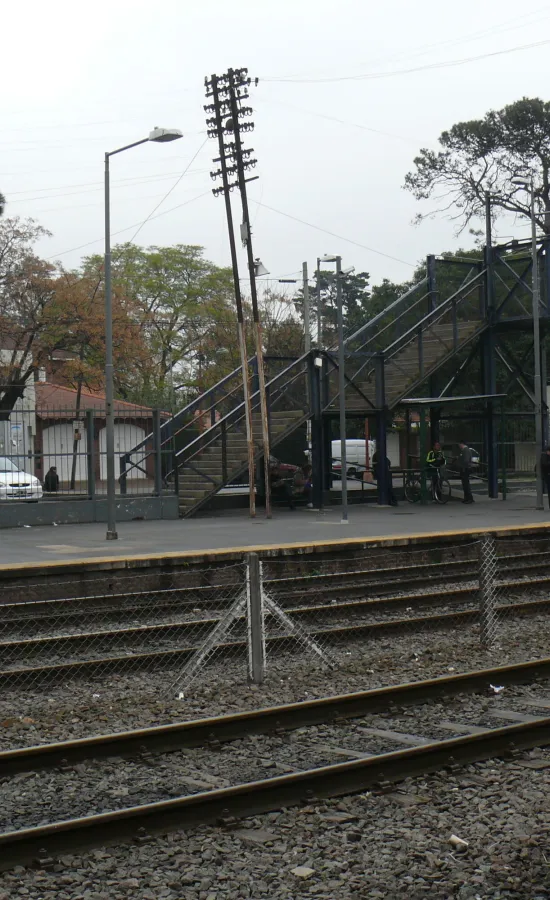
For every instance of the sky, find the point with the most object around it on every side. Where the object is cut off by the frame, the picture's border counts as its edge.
(347, 95)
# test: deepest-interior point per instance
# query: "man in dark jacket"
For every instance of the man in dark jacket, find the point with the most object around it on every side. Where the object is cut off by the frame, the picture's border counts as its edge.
(389, 477)
(545, 471)
(464, 462)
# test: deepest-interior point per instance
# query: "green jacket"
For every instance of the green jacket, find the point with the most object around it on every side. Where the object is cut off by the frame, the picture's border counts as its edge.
(435, 459)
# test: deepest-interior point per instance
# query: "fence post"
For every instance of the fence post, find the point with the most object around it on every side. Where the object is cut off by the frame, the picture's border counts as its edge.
(125, 459)
(256, 630)
(487, 590)
(157, 452)
(90, 453)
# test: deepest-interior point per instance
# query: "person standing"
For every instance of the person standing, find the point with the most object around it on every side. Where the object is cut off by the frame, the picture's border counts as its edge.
(302, 485)
(464, 467)
(545, 471)
(435, 461)
(389, 476)
(51, 481)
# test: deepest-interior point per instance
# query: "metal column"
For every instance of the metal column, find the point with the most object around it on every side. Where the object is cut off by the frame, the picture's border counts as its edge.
(314, 373)
(90, 452)
(157, 452)
(489, 430)
(489, 361)
(381, 449)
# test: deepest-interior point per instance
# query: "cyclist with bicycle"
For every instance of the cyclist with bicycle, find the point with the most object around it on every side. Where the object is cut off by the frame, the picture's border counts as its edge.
(435, 461)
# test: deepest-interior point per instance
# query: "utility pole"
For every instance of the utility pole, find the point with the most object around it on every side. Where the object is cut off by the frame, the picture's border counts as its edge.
(342, 391)
(305, 284)
(217, 88)
(307, 348)
(529, 186)
(319, 312)
(536, 347)
(237, 91)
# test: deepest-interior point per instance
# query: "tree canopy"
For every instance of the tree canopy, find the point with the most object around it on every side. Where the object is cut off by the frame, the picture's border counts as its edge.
(355, 302)
(485, 155)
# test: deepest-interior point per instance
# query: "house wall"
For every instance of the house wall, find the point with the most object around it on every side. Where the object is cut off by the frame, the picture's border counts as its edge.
(17, 432)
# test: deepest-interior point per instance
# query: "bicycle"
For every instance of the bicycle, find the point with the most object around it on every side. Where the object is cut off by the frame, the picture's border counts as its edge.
(439, 487)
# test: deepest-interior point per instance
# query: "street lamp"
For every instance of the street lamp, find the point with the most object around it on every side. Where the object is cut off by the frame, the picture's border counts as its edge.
(158, 136)
(341, 381)
(528, 185)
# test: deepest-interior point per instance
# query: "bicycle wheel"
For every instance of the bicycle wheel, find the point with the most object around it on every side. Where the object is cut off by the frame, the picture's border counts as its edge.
(412, 490)
(442, 491)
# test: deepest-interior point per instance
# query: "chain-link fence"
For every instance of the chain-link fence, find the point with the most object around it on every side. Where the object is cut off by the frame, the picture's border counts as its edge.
(276, 614)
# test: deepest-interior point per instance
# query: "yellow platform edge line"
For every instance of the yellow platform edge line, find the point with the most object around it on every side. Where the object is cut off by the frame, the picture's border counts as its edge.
(262, 548)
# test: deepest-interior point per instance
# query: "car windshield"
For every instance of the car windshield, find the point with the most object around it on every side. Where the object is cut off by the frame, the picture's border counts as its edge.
(6, 465)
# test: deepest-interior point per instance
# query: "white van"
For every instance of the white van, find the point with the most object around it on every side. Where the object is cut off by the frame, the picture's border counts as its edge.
(356, 453)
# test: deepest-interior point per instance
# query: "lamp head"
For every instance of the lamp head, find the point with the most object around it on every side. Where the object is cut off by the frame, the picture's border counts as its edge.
(164, 135)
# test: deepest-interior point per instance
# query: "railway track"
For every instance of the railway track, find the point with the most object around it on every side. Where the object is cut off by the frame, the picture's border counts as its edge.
(456, 719)
(372, 607)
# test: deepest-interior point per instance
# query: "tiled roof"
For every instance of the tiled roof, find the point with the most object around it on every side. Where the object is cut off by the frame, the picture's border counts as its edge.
(56, 401)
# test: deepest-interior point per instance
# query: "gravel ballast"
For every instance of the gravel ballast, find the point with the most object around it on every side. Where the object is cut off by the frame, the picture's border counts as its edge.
(365, 847)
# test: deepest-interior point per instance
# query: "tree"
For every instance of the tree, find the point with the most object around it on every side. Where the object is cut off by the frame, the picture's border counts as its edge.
(485, 155)
(2, 204)
(176, 298)
(44, 310)
(25, 289)
(355, 302)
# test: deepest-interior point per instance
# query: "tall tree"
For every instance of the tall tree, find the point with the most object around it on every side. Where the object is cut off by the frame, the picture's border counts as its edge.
(2, 204)
(176, 297)
(44, 310)
(485, 155)
(355, 302)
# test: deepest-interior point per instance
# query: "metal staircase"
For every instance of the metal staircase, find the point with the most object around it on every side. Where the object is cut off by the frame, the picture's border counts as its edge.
(394, 353)
(390, 356)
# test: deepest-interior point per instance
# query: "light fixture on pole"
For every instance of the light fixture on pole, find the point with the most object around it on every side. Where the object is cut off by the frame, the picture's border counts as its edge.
(259, 268)
(341, 383)
(528, 185)
(157, 136)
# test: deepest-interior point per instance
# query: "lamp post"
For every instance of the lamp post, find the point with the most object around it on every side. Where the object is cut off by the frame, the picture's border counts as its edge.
(341, 382)
(159, 136)
(529, 186)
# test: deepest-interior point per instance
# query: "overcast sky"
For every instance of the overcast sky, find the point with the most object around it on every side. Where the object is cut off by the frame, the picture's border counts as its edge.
(80, 79)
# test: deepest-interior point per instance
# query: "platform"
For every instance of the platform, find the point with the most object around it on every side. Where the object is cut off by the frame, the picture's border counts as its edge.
(237, 530)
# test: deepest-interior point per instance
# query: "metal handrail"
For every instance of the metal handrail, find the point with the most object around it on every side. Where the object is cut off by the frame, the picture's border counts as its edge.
(231, 417)
(183, 413)
(435, 314)
(372, 322)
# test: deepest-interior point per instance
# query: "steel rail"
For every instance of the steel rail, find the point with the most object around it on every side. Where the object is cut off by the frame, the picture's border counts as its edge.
(109, 605)
(169, 630)
(216, 730)
(42, 843)
(56, 672)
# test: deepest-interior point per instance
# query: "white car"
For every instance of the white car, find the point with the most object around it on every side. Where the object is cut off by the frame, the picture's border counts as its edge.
(17, 485)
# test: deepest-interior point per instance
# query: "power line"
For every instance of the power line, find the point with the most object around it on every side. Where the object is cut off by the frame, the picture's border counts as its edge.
(95, 190)
(429, 66)
(167, 194)
(421, 50)
(338, 236)
(62, 187)
(319, 115)
(128, 227)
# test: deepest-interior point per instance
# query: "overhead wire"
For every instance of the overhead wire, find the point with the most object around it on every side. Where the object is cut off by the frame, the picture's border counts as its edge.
(311, 112)
(494, 28)
(128, 227)
(95, 190)
(167, 194)
(338, 236)
(396, 72)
